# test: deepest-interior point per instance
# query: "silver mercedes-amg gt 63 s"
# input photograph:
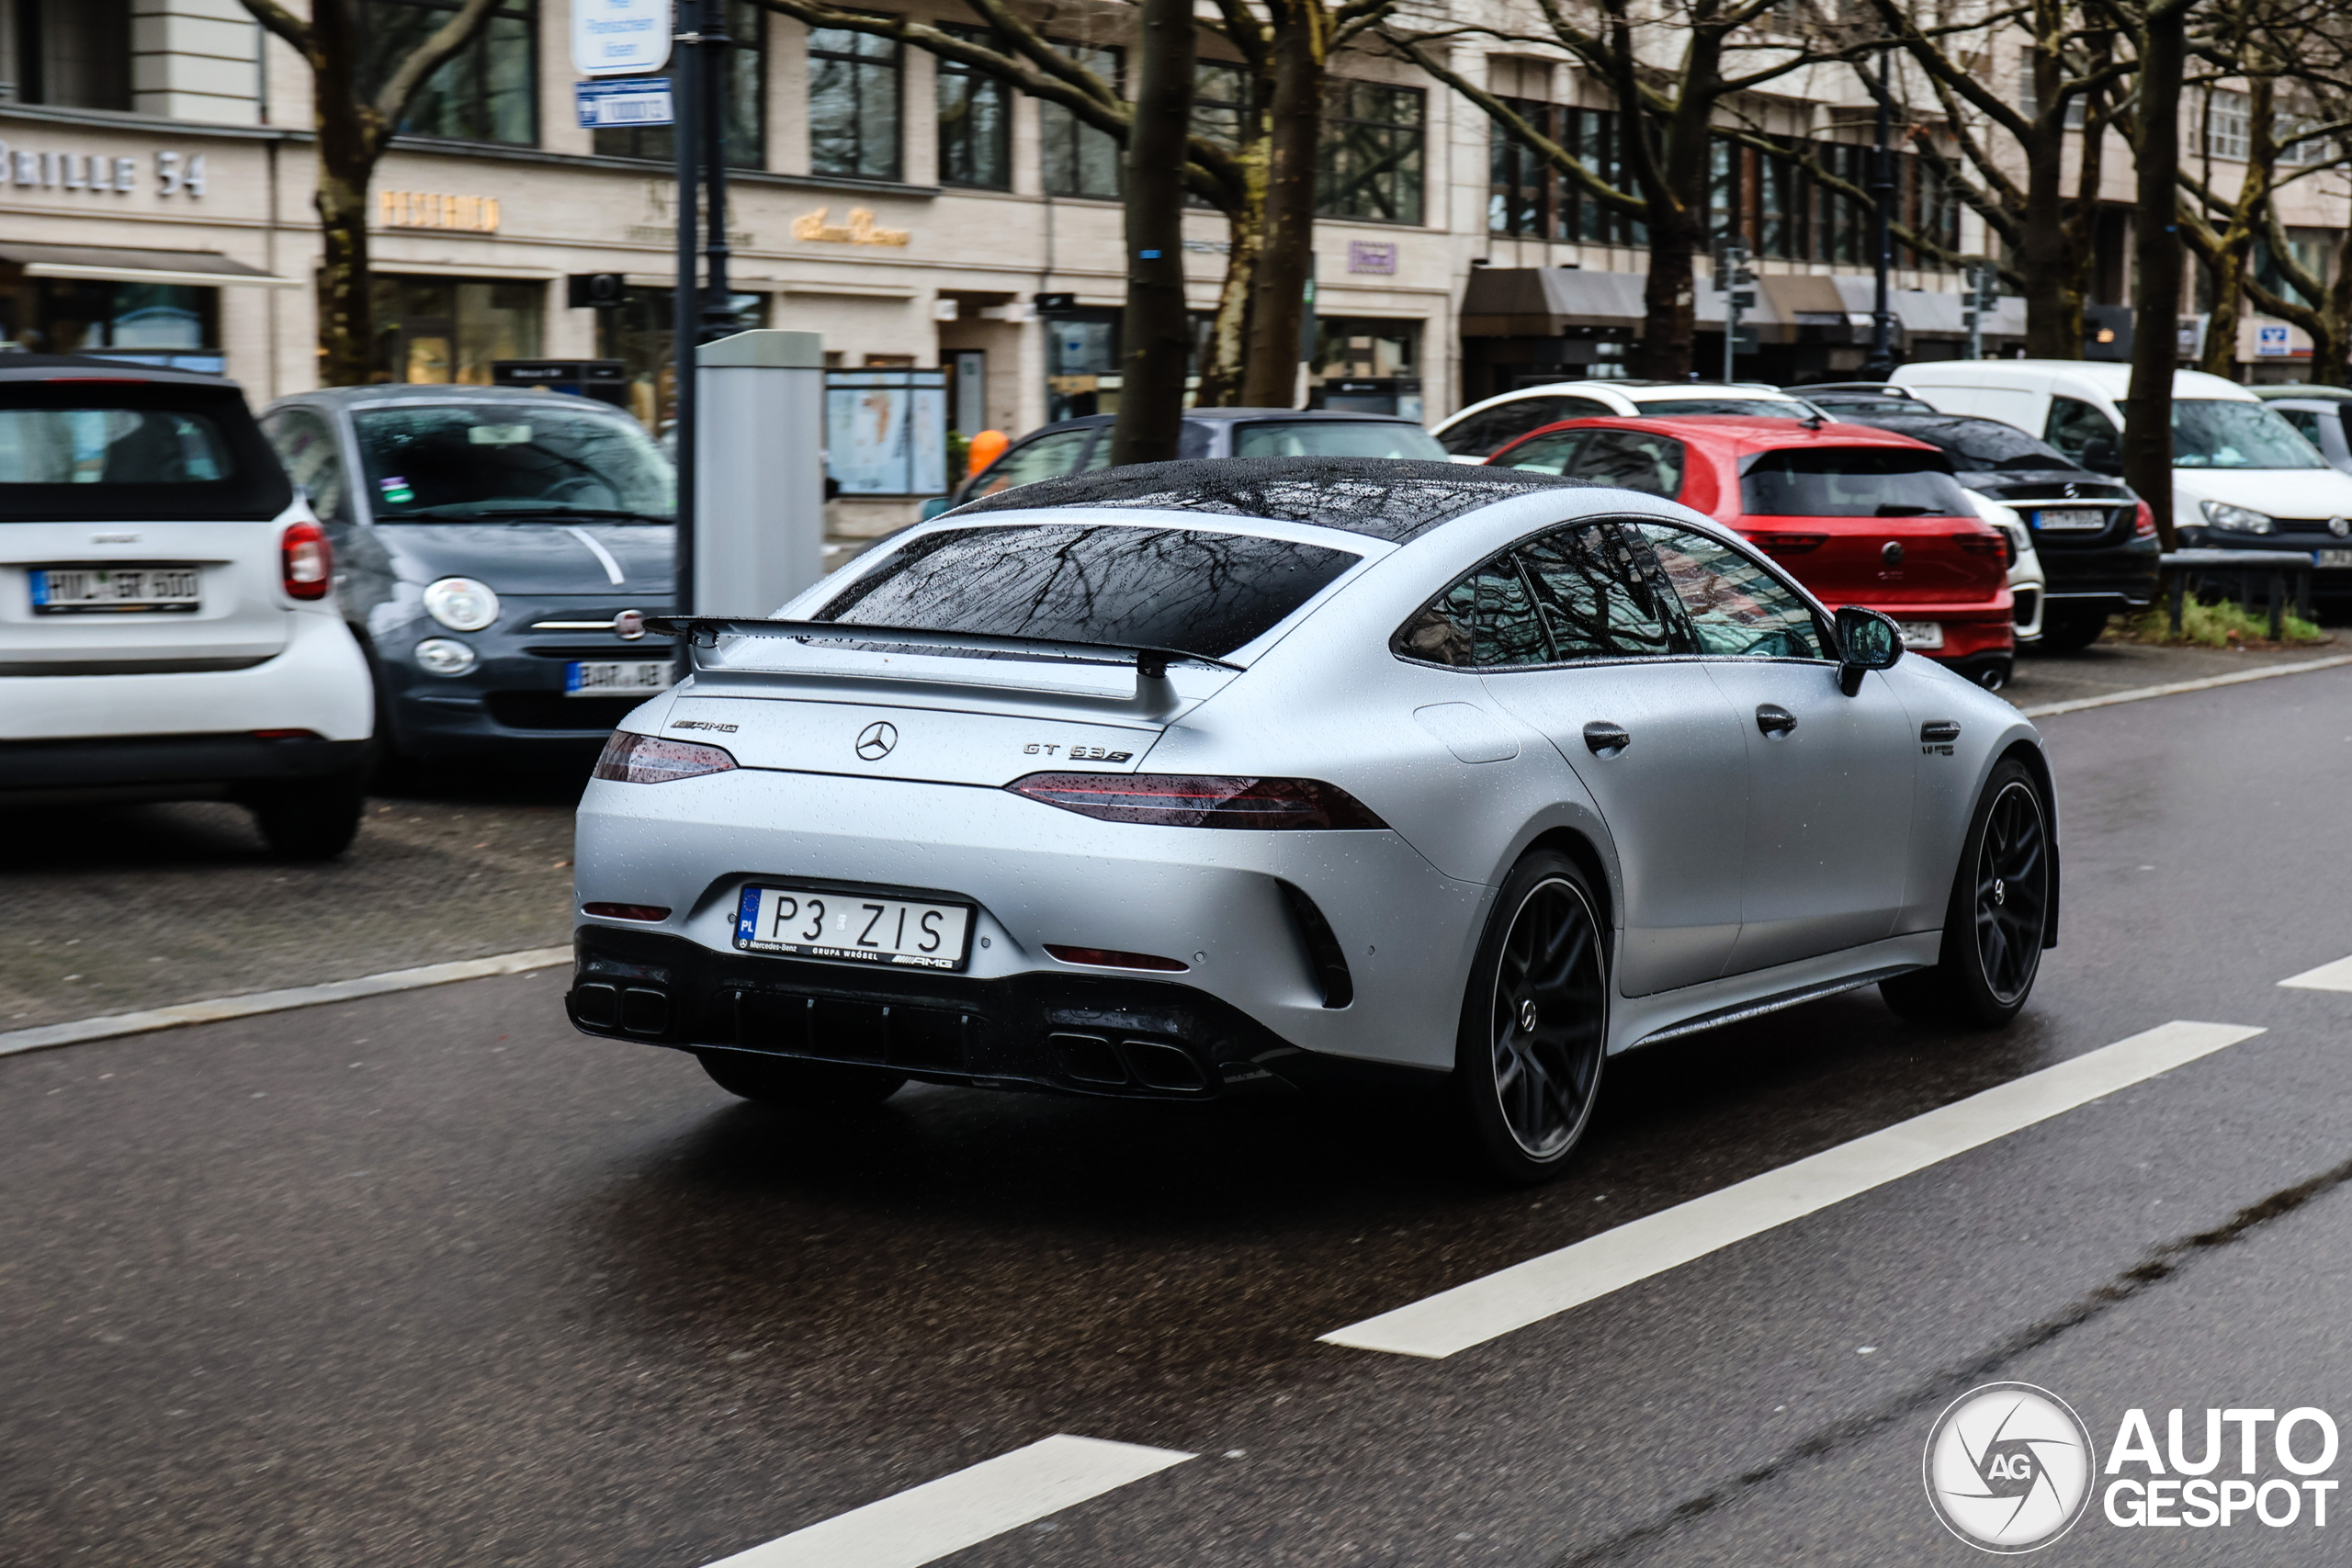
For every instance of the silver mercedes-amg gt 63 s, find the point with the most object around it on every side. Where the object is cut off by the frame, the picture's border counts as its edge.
(1180, 780)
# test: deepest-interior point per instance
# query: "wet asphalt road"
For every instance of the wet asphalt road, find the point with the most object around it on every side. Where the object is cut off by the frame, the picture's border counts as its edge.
(429, 1280)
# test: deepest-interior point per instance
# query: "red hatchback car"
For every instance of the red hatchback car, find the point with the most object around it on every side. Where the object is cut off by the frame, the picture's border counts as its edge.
(1859, 515)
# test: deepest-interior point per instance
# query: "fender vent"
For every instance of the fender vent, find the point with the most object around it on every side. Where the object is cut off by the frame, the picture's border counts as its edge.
(1324, 959)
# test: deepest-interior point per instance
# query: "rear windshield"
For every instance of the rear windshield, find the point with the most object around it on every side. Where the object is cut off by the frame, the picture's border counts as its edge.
(1187, 589)
(1851, 482)
(1745, 408)
(489, 462)
(80, 452)
(1983, 445)
(1335, 438)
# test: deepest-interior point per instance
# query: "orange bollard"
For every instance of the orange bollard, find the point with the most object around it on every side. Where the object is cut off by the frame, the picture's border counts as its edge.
(987, 448)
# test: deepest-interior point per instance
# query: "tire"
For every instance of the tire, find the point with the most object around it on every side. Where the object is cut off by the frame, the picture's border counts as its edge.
(2069, 630)
(1999, 910)
(1534, 1024)
(310, 819)
(782, 1080)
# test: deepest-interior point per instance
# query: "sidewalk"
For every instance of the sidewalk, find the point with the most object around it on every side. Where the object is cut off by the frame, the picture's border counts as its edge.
(2112, 666)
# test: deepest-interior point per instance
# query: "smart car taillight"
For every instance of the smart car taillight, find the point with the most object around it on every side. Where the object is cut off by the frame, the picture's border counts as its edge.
(647, 758)
(1199, 800)
(305, 563)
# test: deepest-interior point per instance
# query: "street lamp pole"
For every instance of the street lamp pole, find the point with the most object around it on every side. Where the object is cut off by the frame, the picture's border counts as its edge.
(686, 305)
(1882, 360)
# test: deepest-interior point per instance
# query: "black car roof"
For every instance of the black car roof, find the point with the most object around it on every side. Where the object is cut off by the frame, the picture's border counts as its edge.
(73, 366)
(1381, 498)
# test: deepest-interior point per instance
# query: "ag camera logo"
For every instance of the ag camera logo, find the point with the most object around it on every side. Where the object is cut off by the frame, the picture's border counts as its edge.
(2009, 1468)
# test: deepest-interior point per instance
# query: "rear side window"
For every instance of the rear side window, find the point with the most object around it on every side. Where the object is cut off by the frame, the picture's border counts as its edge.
(84, 451)
(1851, 482)
(1631, 459)
(1188, 589)
(1335, 438)
(1501, 425)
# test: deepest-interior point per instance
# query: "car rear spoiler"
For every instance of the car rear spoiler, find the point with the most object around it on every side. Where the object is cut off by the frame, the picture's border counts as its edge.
(1154, 695)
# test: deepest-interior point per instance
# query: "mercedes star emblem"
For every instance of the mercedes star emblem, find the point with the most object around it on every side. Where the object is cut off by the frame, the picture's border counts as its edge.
(874, 742)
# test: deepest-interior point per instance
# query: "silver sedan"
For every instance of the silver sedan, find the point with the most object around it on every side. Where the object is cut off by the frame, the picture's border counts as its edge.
(1189, 779)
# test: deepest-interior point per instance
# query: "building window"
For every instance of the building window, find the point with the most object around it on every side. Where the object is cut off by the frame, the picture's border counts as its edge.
(636, 333)
(444, 329)
(2229, 126)
(747, 92)
(1365, 366)
(975, 122)
(164, 323)
(1592, 136)
(1519, 192)
(853, 104)
(72, 53)
(1080, 160)
(483, 92)
(1371, 153)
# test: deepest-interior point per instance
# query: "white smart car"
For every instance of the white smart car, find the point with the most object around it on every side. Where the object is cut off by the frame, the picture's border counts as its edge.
(1485, 428)
(167, 628)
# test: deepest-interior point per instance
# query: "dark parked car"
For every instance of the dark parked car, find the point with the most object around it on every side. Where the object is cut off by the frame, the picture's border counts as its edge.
(2097, 541)
(494, 550)
(1079, 445)
(2322, 413)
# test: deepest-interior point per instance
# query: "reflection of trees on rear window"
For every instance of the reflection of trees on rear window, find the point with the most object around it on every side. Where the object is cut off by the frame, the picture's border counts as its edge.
(1851, 482)
(1189, 589)
(110, 447)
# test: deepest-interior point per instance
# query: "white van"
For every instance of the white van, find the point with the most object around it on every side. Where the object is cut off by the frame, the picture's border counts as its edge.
(2242, 477)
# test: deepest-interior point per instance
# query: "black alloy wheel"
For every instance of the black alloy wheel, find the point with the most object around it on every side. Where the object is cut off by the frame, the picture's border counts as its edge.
(1998, 916)
(1535, 1022)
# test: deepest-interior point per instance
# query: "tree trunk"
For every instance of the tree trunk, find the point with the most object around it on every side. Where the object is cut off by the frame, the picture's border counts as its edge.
(2226, 276)
(2053, 280)
(2147, 424)
(1677, 223)
(1294, 124)
(1228, 357)
(1156, 334)
(347, 306)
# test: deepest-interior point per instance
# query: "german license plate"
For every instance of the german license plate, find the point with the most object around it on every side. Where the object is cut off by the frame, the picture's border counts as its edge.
(114, 590)
(1921, 634)
(2332, 557)
(803, 922)
(617, 678)
(2074, 520)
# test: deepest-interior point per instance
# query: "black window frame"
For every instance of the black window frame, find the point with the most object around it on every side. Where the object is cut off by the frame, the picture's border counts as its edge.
(1344, 128)
(1520, 184)
(375, 69)
(1058, 125)
(958, 139)
(859, 60)
(747, 102)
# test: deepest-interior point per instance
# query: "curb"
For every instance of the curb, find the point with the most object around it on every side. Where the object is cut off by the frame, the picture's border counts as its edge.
(2141, 693)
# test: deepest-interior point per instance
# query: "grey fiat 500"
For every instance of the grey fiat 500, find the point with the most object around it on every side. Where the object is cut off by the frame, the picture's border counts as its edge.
(494, 551)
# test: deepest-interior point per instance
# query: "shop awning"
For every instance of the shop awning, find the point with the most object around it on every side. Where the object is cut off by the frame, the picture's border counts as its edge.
(123, 264)
(1544, 301)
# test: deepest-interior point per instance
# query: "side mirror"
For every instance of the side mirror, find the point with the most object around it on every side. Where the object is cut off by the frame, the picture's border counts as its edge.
(2100, 457)
(1866, 640)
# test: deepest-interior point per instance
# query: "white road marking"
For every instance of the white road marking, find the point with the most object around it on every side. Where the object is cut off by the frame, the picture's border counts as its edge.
(2141, 693)
(1528, 1293)
(2335, 976)
(927, 1522)
(113, 1024)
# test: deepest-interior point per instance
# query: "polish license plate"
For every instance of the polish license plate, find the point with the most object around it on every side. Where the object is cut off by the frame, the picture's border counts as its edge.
(1921, 634)
(617, 678)
(2080, 520)
(802, 922)
(2332, 557)
(114, 590)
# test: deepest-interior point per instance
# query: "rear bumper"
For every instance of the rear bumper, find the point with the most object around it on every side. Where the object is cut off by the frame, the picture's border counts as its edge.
(168, 766)
(2122, 577)
(318, 682)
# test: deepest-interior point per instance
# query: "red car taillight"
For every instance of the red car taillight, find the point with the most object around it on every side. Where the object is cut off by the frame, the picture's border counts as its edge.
(2143, 526)
(647, 758)
(305, 563)
(1197, 800)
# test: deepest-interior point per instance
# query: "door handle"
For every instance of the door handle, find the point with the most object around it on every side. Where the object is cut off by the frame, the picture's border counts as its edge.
(1604, 739)
(1774, 720)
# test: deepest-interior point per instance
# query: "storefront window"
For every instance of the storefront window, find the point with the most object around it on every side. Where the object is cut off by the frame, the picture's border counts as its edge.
(1371, 153)
(975, 122)
(1080, 160)
(164, 322)
(72, 53)
(445, 329)
(636, 333)
(747, 92)
(483, 92)
(853, 104)
(1366, 367)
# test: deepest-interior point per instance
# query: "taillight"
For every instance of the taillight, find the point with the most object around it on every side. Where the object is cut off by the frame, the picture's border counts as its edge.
(648, 759)
(1197, 800)
(2143, 525)
(1991, 541)
(305, 563)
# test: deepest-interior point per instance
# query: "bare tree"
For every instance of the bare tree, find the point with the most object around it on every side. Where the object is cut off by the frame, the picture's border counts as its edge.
(1158, 330)
(2162, 35)
(354, 130)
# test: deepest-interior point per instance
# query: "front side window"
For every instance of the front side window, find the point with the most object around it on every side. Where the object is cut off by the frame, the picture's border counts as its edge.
(2074, 424)
(488, 462)
(1182, 588)
(2214, 432)
(853, 104)
(1851, 482)
(975, 121)
(747, 92)
(1079, 160)
(306, 446)
(485, 92)
(1632, 459)
(1506, 422)
(1734, 605)
(1598, 595)
(1371, 164)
